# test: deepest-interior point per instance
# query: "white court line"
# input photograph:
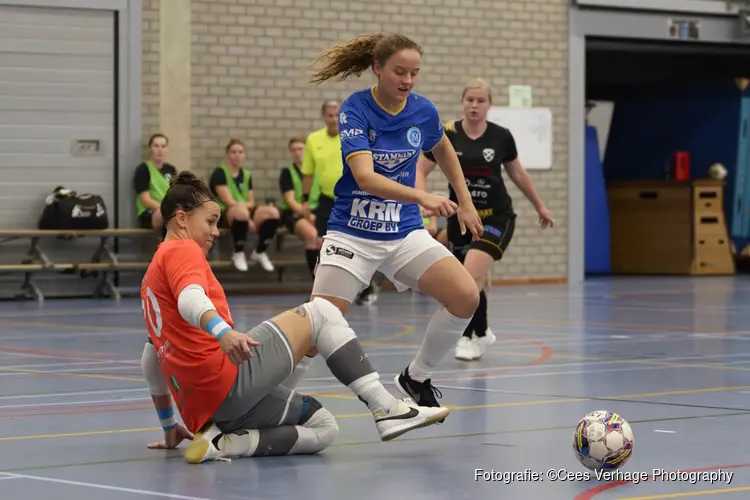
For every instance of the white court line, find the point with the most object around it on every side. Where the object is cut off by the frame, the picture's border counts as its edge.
(82, 393)
(664, 432)
(5, 477)
(100, 486)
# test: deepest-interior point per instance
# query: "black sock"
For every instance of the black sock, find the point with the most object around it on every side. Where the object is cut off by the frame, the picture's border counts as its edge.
(239, 234)
(266, 232)
(469, 329)
(312, 260)
(480, 316)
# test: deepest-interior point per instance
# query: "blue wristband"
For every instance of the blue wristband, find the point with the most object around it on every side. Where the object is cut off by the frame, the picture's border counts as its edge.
(166, 418)
(217, 327)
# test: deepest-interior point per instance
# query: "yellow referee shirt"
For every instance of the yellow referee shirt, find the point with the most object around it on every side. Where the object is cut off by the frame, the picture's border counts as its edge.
(323, 159)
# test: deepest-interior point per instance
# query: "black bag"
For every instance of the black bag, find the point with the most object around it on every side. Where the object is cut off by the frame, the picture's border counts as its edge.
(66, 210)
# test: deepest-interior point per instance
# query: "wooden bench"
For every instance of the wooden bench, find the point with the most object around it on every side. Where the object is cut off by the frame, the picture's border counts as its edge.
(103, 263)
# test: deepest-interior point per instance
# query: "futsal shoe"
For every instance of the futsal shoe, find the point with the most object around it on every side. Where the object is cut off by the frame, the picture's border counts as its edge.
(423, 393)
(406, 416)
(203, 447)
(467, 349)
(481, 344)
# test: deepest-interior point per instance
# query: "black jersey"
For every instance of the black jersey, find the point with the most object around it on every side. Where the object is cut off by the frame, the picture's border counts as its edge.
(482, 162)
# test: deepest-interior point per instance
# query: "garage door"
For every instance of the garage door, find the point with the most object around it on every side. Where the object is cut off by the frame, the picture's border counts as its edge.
(57, 107)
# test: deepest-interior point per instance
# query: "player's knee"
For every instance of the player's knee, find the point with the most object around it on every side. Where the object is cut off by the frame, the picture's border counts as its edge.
(318, 419)
(325, 315)
(464, 300)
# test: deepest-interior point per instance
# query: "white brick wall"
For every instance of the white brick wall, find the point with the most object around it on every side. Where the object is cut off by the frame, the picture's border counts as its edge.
(249, 65)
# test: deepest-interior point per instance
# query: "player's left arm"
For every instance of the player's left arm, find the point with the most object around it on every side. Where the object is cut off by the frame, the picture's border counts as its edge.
(174, 432)
(521, 178)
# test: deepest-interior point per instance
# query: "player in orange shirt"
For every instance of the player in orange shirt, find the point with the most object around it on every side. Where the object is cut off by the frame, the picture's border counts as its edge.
(229, 386)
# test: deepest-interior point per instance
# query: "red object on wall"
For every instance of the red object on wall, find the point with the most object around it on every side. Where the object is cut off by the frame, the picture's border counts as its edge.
(682, 166)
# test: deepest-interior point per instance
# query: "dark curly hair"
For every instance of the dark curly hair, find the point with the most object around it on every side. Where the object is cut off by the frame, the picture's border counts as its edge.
(186, 192)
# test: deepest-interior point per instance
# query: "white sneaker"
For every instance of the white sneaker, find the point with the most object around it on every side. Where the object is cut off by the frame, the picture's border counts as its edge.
(240, 261)
(263, 260)
(202, 448)
(481, 344)
(406, 416)
(466, 349)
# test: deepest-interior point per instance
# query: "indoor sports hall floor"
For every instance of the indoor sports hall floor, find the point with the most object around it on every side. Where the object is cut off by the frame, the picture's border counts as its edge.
(670, 355)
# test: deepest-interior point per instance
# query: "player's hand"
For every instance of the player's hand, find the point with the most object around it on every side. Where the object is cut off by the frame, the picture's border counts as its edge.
(236, 346)
(172, 438)
(468, 218)
(436, 204)
(425, 213)
(310, 217)
(306, 209)
(545, 218)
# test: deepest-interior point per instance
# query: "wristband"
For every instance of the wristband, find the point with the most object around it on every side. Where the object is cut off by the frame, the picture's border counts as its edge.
(217, 327)
(166, 418)
(305, 198)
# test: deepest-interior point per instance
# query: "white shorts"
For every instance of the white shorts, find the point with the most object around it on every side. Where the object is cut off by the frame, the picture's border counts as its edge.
(362, 257)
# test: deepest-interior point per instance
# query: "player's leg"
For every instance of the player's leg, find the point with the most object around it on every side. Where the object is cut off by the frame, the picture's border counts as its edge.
(237, 220)
(283, 341)
(284, 422)
(423, 264)
(306, 232)
(266, 221)
(482, 254)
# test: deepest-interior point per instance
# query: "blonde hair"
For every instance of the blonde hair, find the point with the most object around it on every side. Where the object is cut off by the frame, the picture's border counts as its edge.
(345, 60)
(477, 83)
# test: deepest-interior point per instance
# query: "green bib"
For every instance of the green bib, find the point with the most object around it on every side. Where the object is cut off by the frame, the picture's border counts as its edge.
(158, 185)
(297, 182)
(234, 190)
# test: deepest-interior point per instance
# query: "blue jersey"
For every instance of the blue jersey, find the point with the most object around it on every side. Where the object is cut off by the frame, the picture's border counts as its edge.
(395, 141)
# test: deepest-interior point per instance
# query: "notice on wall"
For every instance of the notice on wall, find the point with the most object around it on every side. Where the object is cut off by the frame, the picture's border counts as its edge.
(519, 96)
(532, 131)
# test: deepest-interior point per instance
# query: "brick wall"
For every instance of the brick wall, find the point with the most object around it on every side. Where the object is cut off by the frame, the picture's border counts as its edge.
(150, 69)
(249, 62)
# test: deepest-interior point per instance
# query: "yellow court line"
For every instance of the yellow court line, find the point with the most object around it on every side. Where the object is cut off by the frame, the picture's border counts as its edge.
(66, 374)
(369, 415)
(691, 493)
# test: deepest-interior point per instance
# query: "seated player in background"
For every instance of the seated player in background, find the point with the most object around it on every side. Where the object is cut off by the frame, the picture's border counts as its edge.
(230, 386)
(151, 181)
(233, 186)
(293, 215)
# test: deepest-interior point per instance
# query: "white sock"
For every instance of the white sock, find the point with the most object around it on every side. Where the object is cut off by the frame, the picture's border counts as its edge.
(240, 444)
(443, 332)
(299, 372)
(376, 397)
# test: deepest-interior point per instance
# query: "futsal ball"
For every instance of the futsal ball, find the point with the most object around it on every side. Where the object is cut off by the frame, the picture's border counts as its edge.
(717, 171)
(603, 441)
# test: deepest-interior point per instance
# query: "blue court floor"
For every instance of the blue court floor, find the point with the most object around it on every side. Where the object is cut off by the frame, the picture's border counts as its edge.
(671, 355)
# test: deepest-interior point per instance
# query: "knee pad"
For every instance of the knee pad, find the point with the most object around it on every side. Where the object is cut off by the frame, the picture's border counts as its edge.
(321, 421)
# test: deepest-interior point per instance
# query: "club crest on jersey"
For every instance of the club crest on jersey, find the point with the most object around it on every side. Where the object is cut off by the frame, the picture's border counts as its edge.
(414, 136)
(488, 154)
(372, 135)
(391, 160)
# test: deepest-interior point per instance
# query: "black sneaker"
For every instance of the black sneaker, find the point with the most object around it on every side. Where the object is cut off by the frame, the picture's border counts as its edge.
(423, 393)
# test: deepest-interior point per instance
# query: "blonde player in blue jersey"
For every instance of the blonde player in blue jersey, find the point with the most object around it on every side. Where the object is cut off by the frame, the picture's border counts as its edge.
(376, 224)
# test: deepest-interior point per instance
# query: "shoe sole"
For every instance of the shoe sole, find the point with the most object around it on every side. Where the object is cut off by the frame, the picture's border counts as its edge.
(431, 420)
(403, 391)
(197, 451)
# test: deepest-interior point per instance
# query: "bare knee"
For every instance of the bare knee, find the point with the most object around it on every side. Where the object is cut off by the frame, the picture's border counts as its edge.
(238, 213)
(464, 300)
(264, 213)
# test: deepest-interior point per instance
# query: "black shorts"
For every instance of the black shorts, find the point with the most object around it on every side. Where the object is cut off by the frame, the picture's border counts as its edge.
(322, 214)
(146, 221)
(498, 231)
(289, 220)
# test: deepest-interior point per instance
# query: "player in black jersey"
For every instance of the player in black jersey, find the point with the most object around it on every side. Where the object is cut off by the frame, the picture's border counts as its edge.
(484, 148)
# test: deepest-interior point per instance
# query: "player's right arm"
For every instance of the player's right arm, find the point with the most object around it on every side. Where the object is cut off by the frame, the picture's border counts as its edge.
(358, 155)
(186, 271)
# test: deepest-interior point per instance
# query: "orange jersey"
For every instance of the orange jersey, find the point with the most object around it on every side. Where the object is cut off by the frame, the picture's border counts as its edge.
(198, 372)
